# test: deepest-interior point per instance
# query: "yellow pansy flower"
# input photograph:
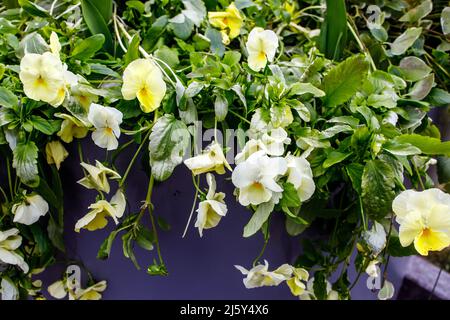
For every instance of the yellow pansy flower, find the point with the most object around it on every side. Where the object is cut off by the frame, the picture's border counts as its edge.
(229, 22)
(143, 79)
(99, 211)
(55, 153)
(424, 218)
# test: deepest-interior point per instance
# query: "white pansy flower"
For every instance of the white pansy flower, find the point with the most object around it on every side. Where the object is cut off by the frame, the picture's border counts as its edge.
(299, 173)
(8, 290)
(274, 141)
(96, 217)
(93, 292)
(106, 121)
(10, 240)
(261, 46)
(260, 276)
(30, 209)
(55, 45)
(372, 269)
(257, 177)
(211, 210)
(97, 177)
(142, 79)
(212, 159)
(60, 289)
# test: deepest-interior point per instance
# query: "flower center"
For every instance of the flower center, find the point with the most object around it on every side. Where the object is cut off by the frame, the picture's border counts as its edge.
(109, 130)
(426, 232)
(144, 92)
(258, 185)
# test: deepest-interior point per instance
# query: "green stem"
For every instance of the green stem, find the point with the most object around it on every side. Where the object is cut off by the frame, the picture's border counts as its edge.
(239, 116)
(363, 48)
(266, 241)
(127, 171)
(363, 217)
(419, 177)
(152, 219)
(9, 178)
(197, 190)
(4, 194)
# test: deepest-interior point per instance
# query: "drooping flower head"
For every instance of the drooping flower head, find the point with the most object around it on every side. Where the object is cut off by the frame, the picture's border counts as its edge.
(424, 218)
(261, 46)
(97, 176)
(30, 209)
(299, 173)
(260, 276)
(55, 153)
(10, 240)
(143, 79)
(211, 210)
(212, 159)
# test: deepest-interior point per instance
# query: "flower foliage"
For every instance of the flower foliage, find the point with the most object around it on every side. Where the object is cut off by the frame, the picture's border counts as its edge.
(329, 105)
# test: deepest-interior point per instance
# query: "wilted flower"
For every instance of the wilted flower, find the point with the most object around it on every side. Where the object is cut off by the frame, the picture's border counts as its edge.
(260, 275)
(424, 218)
(72, 127)
(229, 22)
(30, 209)
(257, 177)
(211, 210)
(212, 159)
(299, 173)
(55, 153)
(296, 283)
(261, 46)
(106, 121)
(97, 177)
(96, 217)
(10, 240)
(143, 79)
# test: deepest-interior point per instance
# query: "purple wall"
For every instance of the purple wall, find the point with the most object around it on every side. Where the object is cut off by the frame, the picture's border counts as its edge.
(199, 268)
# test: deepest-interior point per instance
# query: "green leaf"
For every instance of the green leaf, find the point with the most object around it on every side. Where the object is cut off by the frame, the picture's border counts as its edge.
(443, 169)
(182, 26)
(25, 162)
(414, 69)
(257, 220)
(132, 50)
(33, 9)
(344, 80)
(145, 238)
(439, 97)
(163, 224)
(168, 55)
(422, 88)
(220, 107)
(195, 11)
(401, 149)
(355, 172)
(445, 21)
(299, 88)
(47, 127)
(405, 40)
(333, 33)
(88, 47)
(96, 21)
(105, 248)
(290, 196)
(417, 13)
(335, 157)
(395, 249)
(7, 98)
(168, 141)
(55, 233)
(320, 285)
(427, 145)
(378, 183)
(215, 38)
